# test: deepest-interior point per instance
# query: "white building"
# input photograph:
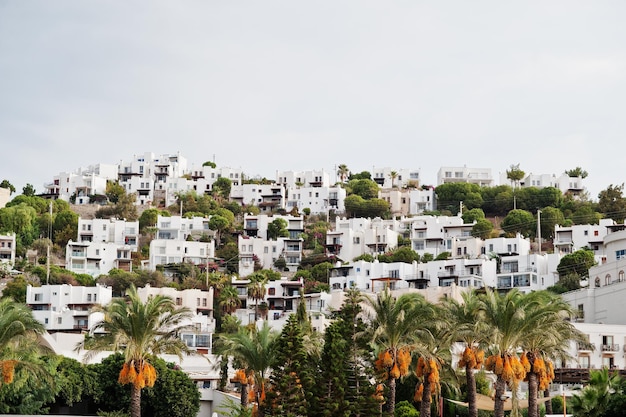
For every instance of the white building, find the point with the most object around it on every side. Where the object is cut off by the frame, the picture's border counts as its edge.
(66, 307)
(181, 228)
(282, 298)
(354, 237)
(565, 183)
(421, 200)
(569, 239)
(5, 196)
(102, 245)
(268, 197)
(207, 175)
(604, 348)
(169, 251)
(307, 179)
(320, 200)
(81, 184)
(438, 234)
(387, 177)
(7, 250)
(198, 332)
(479, 176)
(254, 244)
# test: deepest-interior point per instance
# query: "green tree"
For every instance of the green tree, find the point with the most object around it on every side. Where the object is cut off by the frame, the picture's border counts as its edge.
(253, 350)
(578, 263)
(515, 174)
(547, 342)
(365, 188)
(114, 191)
(29, 190)
(612, 204)
(464, 319)
(594, 398)
(363, 175)
(343, 172)
(451, 195)
(221, 188)
(519, 221)
(393, 175)
(220, 224)
(577, 172)
(291, 378)
(550, 217)
(257, 290)
(16, 289)
(19, 332)
(149, 218)
(209, 164)
(482, 229)
(277, 228)
(65, 227)
(140, 331)
(229, 300)
(395, 329)
(475, 214)
(8, 185)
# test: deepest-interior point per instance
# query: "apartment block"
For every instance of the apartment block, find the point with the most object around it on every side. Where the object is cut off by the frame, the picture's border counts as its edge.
(478, 176)
(7, 250)
(320, 200)
(67, 308)
(307, 179)
(354, 237)
(387, 177)
(268, 197)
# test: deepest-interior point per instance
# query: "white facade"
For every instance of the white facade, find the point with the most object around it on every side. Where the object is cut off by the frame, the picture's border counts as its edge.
(479, 176)
(207, 175)
(569, 239)
(376, 276)
(81, 184)
(422, 200)
(5, 196)
(604, 348)
(255, 245)
(565, 183)
(313, 179)
(357, 236)
(97, 258)
(198, 332)
(320, 200)
(180, 228)
(403, 177)
(438, 234)
(169, 251)
(7, 250)
(268, 197)
(282, 298)
(66, 307)
(102, 245)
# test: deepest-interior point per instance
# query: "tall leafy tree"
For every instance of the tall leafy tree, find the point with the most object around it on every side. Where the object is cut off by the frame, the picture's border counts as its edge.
(519, 221)
(141, 331)
(291, 379)
(395, 324)
(253, 351)
(612, 203)
(515, 174)
(464, 319)
(19, 332)
(277, 228)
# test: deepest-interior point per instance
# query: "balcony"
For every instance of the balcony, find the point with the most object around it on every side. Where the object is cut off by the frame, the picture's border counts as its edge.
(586, 347)
(610, 348)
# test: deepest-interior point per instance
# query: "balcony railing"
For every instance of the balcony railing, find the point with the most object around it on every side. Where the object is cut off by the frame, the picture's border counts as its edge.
(610, 348)
(586, 346)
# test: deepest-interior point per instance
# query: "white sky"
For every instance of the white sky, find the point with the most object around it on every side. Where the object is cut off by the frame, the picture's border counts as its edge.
(301, 85)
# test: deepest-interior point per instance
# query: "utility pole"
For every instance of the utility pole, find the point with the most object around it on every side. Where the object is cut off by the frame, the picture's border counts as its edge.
(461, 208)
(48, 247)
(539, 229)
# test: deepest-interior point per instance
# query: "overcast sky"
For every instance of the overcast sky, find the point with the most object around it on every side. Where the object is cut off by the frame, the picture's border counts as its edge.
(303, 85)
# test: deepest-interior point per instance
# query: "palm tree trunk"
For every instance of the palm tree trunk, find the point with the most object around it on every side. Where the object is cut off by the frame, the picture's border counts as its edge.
(533, 407)
(135, 401)
(498, 407)
(546, 393)
(391, 404)
(244, 395)
(471, 391)
(425, 405)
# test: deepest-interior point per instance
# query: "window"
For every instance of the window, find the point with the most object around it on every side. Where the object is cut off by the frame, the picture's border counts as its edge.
(179, 301)
(89, 297)
(59, 320)
(204, 302)
(271, 291)
(38, 297)
(198, 302)
(202, 340)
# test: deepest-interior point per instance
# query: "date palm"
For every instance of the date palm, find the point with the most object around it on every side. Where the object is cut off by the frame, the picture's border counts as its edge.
(464, 319)
(396, 326)
(19, 333)
(253, 350)
(140, 331)
(547, 342)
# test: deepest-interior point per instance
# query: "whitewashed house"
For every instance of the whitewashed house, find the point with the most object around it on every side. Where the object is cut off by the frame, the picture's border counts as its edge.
(268, 197)
(479, 176)
(7, 250)
(81, 184)
(320, 200)
(569, 239)
(354, 237)
(307, 179)
(198, 332)
(438, 234)
(387, 177)
(67, 308)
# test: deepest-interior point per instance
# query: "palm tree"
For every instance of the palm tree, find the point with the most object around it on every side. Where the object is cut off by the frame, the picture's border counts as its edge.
(393, 175)
(253, 350)
(256, 290)
(546, 342)
(229, 299)
(509, 323)
(593, 400)
(396, 324)
(19, 333)
(141, 331)
(465, 321)
(343, 172)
